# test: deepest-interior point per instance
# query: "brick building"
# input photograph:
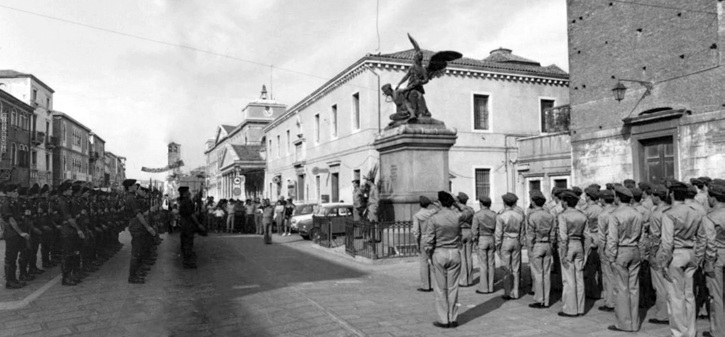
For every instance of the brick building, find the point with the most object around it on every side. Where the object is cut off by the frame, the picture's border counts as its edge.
(670, 122)
(72, 156)
(14, 139)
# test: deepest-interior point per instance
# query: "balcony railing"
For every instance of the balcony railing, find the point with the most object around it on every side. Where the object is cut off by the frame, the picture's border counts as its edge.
(37, 138)
(52, 142)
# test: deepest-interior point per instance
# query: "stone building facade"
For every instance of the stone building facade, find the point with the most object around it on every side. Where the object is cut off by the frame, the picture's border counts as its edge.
(96, 160)
(234, 154)
(15, 117)
(72, 156)
(671, 120)
(323, 142)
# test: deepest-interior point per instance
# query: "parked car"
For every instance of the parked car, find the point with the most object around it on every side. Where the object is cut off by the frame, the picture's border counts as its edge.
(336, 213)
(303, 215)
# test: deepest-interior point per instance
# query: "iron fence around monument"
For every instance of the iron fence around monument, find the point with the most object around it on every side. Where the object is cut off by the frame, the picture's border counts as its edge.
(380, 240)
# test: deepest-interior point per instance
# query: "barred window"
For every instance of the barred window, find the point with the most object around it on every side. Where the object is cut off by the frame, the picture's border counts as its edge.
(483, 183)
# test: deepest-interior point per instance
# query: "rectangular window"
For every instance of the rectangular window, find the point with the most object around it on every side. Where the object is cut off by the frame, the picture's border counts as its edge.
(483, 183)
(334, 121)
(546, 121)
(317, 184)
(35, 95)
(289, 141)
(480, 112)
(659, 158)
(278, 146)
(561, 183)
(356, 111)
(47, 103)
(317, 128)
(270, 148)
(335, 181)
(534, 185)
(301, 187)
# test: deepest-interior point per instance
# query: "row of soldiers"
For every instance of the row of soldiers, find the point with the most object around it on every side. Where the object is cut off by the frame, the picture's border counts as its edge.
(73, 226)
(670, 228)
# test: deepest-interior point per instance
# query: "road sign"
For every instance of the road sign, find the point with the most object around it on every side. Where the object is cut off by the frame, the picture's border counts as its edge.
(237, 181)
(237, 191)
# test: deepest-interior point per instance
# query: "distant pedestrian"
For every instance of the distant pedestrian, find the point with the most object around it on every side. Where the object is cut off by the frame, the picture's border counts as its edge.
(289, 212)
(230, 208)
(267, 218)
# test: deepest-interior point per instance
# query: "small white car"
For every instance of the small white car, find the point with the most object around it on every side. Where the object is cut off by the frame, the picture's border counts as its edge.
(303, 215)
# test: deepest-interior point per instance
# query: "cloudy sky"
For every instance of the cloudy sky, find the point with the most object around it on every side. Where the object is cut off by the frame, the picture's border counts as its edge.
(140, 95)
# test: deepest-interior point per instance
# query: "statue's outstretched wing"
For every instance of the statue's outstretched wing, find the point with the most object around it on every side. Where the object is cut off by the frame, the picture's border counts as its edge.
(439, 62)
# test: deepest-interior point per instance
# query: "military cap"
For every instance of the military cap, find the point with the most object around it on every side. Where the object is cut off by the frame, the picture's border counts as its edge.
(34, 189)
(705, 180)
(577, 190)
(76, 188)
(23, 191)
(53, 192)
(718, 181)
(645, 187)
(636, 192)
(717, 190)
(568, 194)
(484, 199)
(445, 197)
(64, 186)
(610, 186)
(537, 195)
(424, 201)
(183, 189)
(463, 197)
(556, 190)
(128, 182)
(606, 193)
(621, 190)
(697, 182)
(676, 185)
(509, 198)
(629, 183)
(595, 186)
(45, 188)
(592, 192)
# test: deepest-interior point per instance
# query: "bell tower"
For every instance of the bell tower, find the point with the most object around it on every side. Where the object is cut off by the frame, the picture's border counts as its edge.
(174, 155)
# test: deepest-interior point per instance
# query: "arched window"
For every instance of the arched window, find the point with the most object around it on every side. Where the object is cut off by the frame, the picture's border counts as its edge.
(13, 154)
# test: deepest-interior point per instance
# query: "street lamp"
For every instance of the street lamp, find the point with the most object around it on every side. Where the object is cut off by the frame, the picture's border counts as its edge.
(619, 89)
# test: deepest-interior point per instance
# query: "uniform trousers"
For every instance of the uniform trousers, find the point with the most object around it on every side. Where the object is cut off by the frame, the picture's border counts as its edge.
(267, 230)
(659, 311)
(715, 285)
(486, 263)
(446, 270)
(608, 278)
(13, 245)
(626, 290)
(466, 278)
(680, 293)
(187, 241)
(250, 225)
(46, 246)
(230, 222)
(592, 269)
(511, 259)
(573, 279)
(541, 259)
(425, 272)
(259, 223)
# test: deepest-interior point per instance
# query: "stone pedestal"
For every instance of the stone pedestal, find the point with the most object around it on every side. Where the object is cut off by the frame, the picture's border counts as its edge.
(413, 162)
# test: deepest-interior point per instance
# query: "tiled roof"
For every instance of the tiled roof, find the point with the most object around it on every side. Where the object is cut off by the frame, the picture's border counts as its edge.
(228, 128)
(9, 73)
(248, 152)
(494, 62)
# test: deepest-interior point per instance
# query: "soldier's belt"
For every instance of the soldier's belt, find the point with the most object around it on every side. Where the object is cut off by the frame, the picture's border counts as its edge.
(685, 247)
(575, 237)
(510, 237)
(628, 246)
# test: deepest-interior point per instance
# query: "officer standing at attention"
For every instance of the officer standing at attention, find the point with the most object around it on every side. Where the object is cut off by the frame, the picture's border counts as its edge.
(592, 260)
(466, 219)
(443, 241)
(71, 235)
(139, 228)
(608, 279)
(189, 223)
(509, 234)
(540, 233)
(623, 236)
(682, 230)
(420, 223)
(714, 266)
(15, 238)
(661, 201)
(482, 230)
(571, 252)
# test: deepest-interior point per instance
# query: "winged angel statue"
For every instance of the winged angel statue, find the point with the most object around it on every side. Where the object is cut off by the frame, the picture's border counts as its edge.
(410, 101)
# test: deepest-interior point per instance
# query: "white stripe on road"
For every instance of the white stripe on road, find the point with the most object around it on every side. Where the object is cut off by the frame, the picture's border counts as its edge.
(30, 298)
(248, 286)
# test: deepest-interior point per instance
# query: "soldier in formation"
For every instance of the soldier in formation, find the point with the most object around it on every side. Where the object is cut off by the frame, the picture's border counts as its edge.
(602, 239)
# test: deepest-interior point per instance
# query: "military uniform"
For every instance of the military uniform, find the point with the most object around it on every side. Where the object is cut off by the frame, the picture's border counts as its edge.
(420, 224)
(482, 229)
(608, 277)
(592, 242)
(14, 242)
(540, 235)
(571, 225)
(443, 241)
(188, 228)
(623, 251)
(714, 226)
(681, 232)
(465, 220)
(509, 236)
(659, 312)
(70, 237)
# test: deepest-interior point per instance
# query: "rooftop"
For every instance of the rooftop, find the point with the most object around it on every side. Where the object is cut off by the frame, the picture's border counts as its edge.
(9, 73)
(248, 152)
(68, 117)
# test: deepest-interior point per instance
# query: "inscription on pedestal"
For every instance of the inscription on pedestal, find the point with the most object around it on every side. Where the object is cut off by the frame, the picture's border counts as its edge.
(393, 173)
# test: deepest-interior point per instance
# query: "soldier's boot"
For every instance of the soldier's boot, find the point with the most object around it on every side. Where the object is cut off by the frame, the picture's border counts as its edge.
(25, 277)
(67, 278)
(11, 282)
(76, 268)
(34, 270)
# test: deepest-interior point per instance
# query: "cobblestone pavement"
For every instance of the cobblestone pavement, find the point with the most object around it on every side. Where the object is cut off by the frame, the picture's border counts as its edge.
(291, 288)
